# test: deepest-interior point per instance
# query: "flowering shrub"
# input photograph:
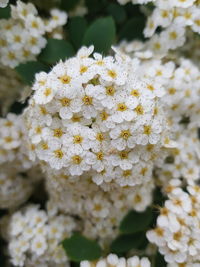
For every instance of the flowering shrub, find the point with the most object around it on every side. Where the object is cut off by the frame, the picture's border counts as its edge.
(99, 133)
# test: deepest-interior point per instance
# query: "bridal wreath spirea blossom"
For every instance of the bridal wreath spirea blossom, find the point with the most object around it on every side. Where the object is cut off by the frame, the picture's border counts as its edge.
(115, 261)
(22, 36)
(34, 237)
(95, 114)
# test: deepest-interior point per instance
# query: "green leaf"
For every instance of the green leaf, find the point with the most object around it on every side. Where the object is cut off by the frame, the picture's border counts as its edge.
(117, 12)
(28, 70)
(124, 243)
(5, 12)
(68, 4)
(159, 261)
(136, 221)
(56, 50)
(77, 27)
(80, 248)
(133, 29)
(101, 33)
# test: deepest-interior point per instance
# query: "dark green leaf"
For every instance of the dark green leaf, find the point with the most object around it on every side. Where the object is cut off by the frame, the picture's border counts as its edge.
(68, 4)
(159, 261)
(133, 29)
(77, 27)
(79, 248)
(136, 221)
(5, 12)
(28, 70)
(95, 6)
(124, 243)
(101, 33)
(117, 12)
(56, 50)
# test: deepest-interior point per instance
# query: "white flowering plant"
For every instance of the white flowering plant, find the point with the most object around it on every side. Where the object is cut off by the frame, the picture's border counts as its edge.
(99, 133)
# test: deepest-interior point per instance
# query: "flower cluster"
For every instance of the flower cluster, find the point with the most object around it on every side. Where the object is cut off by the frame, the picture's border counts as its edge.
(174, 17)
(34, 236)
(3, 3)
(115, 261)
(16, 183)
(177, 234)
(100, 211)
(97, 115)
(22, 36)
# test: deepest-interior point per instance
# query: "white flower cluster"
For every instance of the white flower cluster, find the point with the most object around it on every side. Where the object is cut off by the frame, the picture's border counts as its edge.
(3, 3)
(177, 234)
(175, 17)
(34, 237)
(96, 115)
(99, 211)
(16, 182)
(22, 36)
(14, 188)
(115, 261)
(181, 106)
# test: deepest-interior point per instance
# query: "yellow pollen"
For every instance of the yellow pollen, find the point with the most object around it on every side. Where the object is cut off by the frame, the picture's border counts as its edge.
(33, 41)
(76, 159)
(127, 173)
(8, 124)
(149, 147)
(76, 118)
(57, 132)
(104, 116)
(78, 139)
(121, 107)
(32, 147)
(100, 155)
(125, 134)
(147, 129)
(43, 111)
(100, 137)
(38, 245)
(8, 139)
(157, 46)
(172, 91)
(112, 73)
(26, 53)
(44, 146)
(135, 93)
(173, 35)
(11, 56)
(164, 13)
(65, 79)
(150, 87)
(143, 171)
(34, 24)
(159, 73)
(123, 154)
(139, 110)
(65, 101)
(58, 153)
(83, 69)
(24, 12)
(47, 92)
(137, 198)
(159, 231)
(98, 207)
(177, 236)
(197, 21)
(87, 100)
(17, 39)
(38, 130)
(110, 90)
